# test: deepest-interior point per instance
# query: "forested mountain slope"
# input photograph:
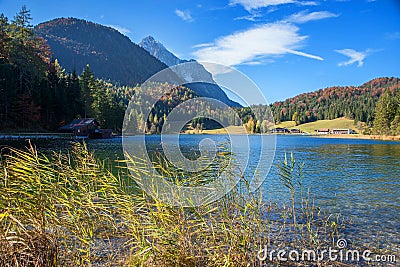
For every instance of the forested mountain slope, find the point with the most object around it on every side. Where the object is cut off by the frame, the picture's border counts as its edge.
(354, 102)
(110, 54)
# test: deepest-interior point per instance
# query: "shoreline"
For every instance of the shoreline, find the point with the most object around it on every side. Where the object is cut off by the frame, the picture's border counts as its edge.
(360, 136)
(19, 136)
(343, 136)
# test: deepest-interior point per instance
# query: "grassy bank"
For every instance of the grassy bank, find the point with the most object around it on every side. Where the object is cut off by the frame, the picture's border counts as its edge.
(68, 210)
(361, 136)
(226, 130)
(340, 123)
(310, 127)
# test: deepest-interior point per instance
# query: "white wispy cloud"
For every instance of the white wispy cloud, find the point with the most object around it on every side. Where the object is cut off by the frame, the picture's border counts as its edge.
(354, 57)
(252, 63)
(250, 17)
(271, 39)
(305, 16)
(121, 29)
(392, 35)
(255, 15)
(202, 45)
(184, 14)
(250, 5)
(307, 3)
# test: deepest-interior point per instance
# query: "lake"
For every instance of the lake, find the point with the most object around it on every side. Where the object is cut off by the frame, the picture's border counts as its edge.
(356, 177)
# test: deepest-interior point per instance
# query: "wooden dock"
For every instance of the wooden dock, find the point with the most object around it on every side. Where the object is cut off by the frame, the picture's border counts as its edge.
(36, 136)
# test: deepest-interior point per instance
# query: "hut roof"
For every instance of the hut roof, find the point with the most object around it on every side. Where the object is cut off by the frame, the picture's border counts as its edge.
(78, 124)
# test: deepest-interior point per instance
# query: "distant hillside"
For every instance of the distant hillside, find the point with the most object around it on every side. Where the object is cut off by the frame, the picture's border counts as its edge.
(353, 102)
(111, 55)
(191, 72)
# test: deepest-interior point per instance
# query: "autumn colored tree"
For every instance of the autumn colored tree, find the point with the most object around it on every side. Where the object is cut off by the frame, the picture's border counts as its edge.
(250, 126)
(356, 103)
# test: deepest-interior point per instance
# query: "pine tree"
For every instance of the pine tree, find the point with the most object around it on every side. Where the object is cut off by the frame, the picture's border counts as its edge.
(28, 53)
(258, 127)
(295, 118)
(23, 30)
(395, 124)
(87, 84)
(4, 39)
(384, 114)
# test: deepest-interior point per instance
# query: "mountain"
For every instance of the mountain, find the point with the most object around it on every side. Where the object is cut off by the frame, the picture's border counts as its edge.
(191, 72)
(158, 50)
(353, 102)
(111, 55)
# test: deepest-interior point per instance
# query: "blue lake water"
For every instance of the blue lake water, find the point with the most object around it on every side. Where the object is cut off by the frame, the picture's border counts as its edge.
(358, 178)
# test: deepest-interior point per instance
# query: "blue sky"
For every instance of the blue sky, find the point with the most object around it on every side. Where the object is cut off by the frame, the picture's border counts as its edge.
(286, 47)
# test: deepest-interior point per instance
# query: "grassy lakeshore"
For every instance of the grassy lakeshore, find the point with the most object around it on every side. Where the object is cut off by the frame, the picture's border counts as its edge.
(360, 136)
(307, 128)
(310, 127)
(226, 130)
(237, 130)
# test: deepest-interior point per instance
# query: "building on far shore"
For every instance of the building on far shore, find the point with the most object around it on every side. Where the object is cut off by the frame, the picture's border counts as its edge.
(285, 130)
(323, 131)
(342, 131)
(86, 128)
(334, 131)
(280, 130)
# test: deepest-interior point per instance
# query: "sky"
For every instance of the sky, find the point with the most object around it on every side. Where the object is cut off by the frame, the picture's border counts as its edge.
(286, 47)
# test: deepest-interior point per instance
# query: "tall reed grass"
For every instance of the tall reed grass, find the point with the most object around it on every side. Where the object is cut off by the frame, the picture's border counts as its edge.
(67, 209)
